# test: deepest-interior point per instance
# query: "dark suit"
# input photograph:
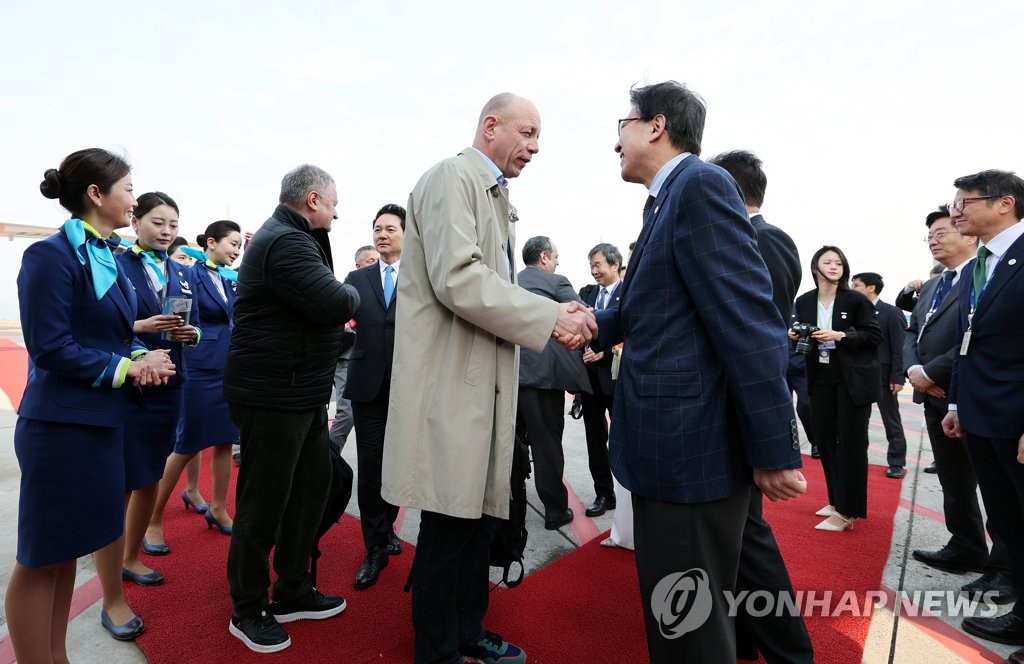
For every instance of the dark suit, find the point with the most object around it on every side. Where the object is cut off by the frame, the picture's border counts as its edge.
(890, 365)
(597, 404)
(544, 379)
(907, 299)
(988, 390)
(842, 392)
(931, 341)
(779, 638)
(695, 408)
(368, 388)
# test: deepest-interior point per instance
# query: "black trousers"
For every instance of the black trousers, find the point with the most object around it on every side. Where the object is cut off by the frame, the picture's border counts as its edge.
(841, 433)
(702, 541)
(960, 497)
(1001, 480)
(781, 639)
(279, 502)
(450, 584)
(796, 377)
(596, 408)
(540, 421)
(889, 409)
(376, 515)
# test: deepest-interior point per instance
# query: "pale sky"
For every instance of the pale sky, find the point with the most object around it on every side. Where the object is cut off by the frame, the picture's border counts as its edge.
(863, 113)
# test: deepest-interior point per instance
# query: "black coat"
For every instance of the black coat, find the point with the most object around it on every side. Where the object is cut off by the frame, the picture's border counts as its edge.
(890, 352)
(600, 371)
(857, 354)
(783, 262)
(556, 368)
(290, 312)
(369, 364)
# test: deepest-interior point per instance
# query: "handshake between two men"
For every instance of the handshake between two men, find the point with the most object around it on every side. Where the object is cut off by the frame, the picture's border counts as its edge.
(575, 326)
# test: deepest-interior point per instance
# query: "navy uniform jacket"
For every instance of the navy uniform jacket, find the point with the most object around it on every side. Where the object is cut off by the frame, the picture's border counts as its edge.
(369, 364)
(72, 338)
(988, 382)
(701, 396)
(212, 352)
(178, 284)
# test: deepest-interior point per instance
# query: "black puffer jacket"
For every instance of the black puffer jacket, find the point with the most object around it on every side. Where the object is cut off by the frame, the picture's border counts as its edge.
(290, 313)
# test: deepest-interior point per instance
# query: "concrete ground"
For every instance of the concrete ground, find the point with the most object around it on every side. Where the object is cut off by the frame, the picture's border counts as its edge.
(902, 636)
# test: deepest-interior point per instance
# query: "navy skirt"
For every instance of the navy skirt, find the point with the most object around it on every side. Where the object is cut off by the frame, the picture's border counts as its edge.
(149, 432)
(72, 489)
(205, 420)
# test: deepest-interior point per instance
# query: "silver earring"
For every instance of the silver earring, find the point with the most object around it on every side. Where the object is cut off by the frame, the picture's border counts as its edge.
(99, 205)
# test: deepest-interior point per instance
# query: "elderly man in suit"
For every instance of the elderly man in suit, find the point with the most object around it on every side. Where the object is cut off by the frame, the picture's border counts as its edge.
(369, 388)
(605, 260)
(928, 351)
(544, 379)
(701, 405)
(986, 393)
(890, 363)
(451, 419)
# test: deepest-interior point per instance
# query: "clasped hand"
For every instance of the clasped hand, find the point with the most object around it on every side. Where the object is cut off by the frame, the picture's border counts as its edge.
(575, 325)
(153, 368)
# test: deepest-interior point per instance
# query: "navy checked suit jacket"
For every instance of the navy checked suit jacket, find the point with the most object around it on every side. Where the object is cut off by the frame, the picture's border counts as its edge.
(701, 396)
(988, 382)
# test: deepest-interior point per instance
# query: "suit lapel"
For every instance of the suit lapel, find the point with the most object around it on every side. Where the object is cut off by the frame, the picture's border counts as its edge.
(147, 302)
(373, 276)
(1006, 269)
(124, 299)
(928, 293)
(206, 276)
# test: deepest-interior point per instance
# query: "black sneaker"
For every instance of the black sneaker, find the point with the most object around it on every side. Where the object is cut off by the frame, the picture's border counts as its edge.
(260, 633)
(314, 606)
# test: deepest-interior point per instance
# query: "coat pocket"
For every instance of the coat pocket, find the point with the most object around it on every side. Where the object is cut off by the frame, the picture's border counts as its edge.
(683, 384)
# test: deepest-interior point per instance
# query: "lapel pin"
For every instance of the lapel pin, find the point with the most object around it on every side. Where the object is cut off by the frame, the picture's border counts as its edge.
(1012, 261)
(842, 314)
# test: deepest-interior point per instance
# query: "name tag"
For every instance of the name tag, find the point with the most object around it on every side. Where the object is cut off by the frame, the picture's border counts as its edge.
(966, 342)
(823, 356)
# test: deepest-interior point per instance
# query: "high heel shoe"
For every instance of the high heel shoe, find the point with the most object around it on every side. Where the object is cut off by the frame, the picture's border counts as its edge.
(845, 523)
(826, 511)
(155, 549)
(211, 522)
(201, 508)
(126, 632)
(153, 578)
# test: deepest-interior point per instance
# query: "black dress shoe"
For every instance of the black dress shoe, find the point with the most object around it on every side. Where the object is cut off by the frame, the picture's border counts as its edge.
(948, 561)
(558, 522)
(931, 470)
(815, 452)
(896, 472)
(376, 560)
(1016, 657)
(394, 546)
(996, 587)
(601, 505)
(1007, 628)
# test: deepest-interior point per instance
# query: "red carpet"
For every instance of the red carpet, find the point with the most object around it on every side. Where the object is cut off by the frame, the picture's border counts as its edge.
(13, 370)
(551, 614)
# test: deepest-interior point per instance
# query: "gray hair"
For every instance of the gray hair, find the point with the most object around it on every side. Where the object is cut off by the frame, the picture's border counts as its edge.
(363, 249)
(302, 180)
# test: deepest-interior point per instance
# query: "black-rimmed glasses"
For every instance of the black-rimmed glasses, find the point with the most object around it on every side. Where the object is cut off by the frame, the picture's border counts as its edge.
(960, 204)
(622, 121)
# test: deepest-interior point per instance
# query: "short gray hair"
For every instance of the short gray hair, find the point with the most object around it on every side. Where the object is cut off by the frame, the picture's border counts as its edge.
(363, 249)
(302, 180)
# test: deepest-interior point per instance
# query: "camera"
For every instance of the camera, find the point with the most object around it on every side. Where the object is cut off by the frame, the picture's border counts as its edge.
(803, 344)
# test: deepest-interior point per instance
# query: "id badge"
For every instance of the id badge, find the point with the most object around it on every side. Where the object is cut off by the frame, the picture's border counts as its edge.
(966, 342)
(823, 357)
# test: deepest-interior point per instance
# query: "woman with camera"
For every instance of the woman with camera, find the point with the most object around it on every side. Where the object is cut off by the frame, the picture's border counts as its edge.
(835, 327)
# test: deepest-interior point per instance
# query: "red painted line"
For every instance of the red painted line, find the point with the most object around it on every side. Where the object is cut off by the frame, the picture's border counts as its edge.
(583, 527)
(946, 635)
(85, 596)
(926, 512)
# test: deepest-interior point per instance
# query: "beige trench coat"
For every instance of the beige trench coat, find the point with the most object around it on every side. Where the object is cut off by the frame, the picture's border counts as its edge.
(451, 417)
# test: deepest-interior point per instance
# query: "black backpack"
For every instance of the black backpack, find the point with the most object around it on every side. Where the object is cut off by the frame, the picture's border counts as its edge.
(337, 502)
(509, 542)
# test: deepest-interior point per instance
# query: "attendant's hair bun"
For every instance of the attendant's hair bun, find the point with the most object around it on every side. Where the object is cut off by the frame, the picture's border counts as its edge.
(201, 241)
(51, 184)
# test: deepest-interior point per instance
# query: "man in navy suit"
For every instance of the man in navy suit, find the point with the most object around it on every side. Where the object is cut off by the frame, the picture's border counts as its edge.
(890, 362)
(369, 388)
(605, 260)
(701, 405)
(986, 393)
(928, 351)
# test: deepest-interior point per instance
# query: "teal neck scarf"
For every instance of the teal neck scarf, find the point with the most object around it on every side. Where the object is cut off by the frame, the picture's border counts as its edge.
(153, 260)
(94, 252)
(226, 272)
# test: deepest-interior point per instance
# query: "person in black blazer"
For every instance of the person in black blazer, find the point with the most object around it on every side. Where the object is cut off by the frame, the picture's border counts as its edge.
(928, 351)
(890, 364)
(986, 392)
(844, 380)
(605, 260)
(369, 387)
(544, 378)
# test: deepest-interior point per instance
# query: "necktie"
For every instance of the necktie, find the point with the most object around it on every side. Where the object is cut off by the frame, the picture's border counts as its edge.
(389, 285)
(979, 271)
(647, 207)
(602, 298)
(942, 290)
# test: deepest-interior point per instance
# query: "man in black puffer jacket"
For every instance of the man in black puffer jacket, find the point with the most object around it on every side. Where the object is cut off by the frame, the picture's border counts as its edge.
(290, 314)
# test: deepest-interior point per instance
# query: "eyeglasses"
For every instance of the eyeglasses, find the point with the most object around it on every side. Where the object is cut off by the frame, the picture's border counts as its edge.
(623, 121)
(960, 204)
(939, 235)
